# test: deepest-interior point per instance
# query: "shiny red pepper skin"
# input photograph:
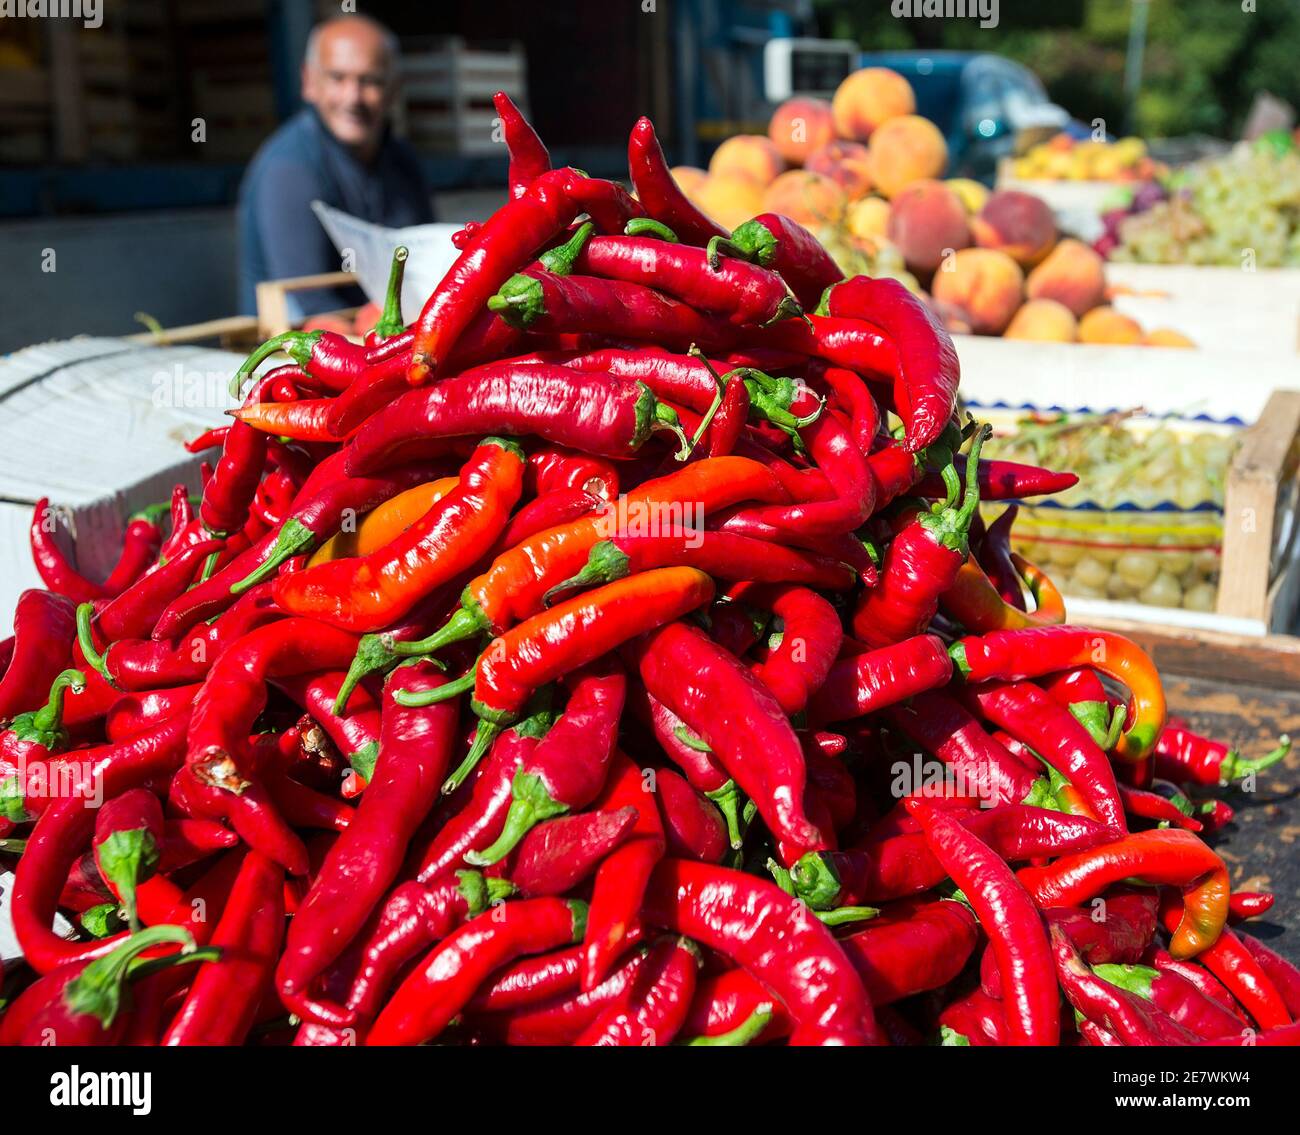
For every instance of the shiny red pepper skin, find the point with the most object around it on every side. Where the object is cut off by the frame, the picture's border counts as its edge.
(355, 736)
(866, 682)
(727, 707)
(994, 556)
(811, 637)
(553, 468)
(140, 544)
(44, 629)
(928, 373)
(658, 193)
(443, 982)
(760, 927)
(613, 921)
(223, 1001)
(740, 292)
(693, 827)
(128, 843)
(787, 248)
(1284, 976)
(1003, 480)
(915, 946)
(528, 156)
(1174, 995)
(135, 613)
(555, 856)
(657, 1004)
(1028, 714)
(529, 981)
(590, 411)
(727, 1000)
(415, 748)
(52, 565)
(561, 1018)
(1009, 917)
(1187, 757)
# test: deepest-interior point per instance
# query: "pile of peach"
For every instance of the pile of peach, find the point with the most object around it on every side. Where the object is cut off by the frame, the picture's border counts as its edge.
(1063, 158)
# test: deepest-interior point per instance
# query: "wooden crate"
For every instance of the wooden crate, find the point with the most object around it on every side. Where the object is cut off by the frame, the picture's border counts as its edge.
(272, 299)
(446, 101)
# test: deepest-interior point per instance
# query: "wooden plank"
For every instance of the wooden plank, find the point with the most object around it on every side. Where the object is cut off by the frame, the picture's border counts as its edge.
(243, 326)
(1260, 466)
(272, 298)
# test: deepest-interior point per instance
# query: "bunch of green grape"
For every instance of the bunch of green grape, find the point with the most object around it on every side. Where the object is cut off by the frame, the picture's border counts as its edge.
(1246, 203)
(1166, 559)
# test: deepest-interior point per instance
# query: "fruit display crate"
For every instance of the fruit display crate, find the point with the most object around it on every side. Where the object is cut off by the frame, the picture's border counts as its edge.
(1259, 554)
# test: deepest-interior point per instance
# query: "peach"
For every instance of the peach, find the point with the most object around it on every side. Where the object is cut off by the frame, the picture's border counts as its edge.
(690, 179)
(747, 155)
(1043, 320)
(869, 97)
(1020, 224)
(973, 194)
(984, 283)
(731, 201)
(905, 150)
(848, 164)
(868, 218)
(1106, 325)
(809, 198)
(1166, 337)
(927, 219)
(1072, 274)
(800, 126)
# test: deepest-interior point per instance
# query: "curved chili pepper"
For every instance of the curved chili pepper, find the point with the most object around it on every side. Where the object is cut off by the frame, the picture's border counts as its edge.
(726, 1001)
(810, 640)
(308, 419)
(739, 719)
(1187, 757)
(693, 827)
(1126, 1015)
(994, 556)
(1165, 856)
(1082, 692)
(942, 726)
(1011, 656)
(1195, 973)
(140, 545)
(973, 599)
(657, 1002)
(875, 679)
(1174, 995)
(1007, 914)
(557, 855)
(974, 1020)
(763, 929)
(928, 372)
(356, 736)
(528, 156)
(1029, 715)
(913, 947)
(720, 554)
(374, 591)
(52, 565)
(224, 999)
(1152, 806)
(44, 629)
(1003, 480)
(446, 979)
(1284, 976)
(567, 769)
(787, 248)
(554, 468)
(37, 734)
(658, 193)
(1245, 905)
(531, 980)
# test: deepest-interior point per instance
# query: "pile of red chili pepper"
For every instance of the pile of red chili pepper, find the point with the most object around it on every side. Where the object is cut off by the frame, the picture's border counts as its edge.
(591, 663)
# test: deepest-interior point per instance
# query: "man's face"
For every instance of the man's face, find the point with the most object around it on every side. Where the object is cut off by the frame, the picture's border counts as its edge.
(350, 83)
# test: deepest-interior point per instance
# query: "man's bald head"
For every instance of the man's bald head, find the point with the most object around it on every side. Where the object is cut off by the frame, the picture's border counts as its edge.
(349, 74)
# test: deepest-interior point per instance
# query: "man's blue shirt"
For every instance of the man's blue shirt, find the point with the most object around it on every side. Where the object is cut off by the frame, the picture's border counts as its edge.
(302, 161)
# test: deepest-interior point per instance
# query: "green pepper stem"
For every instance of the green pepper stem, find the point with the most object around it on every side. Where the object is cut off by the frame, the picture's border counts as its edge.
(720, 246)
(843, 915)
(560, 260)
(390, 319)
(97, 990)
(484, 735)
(727, 799)
(86, 640)
(749, 1030)
(413, 699)
(291, 343)
(1235, 765)
(293, 539)
(49, 718)
(462, 625)
(666, 421)
(647, 226)
(531, 805)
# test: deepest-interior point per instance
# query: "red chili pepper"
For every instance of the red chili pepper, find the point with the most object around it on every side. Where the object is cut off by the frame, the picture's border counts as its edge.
(693, 827)
(1003, 480)
(726, 1001)
(928, 372)
(1011, 656)
(415, 747)
(567, 770)
(369, 592)
(1187, 757)
(994, 556)
(770, 934)
(657, 1003)
(327, 357)
(787, 248)
(613, 921)
(529, 981)
(444, 981)
(308, 419)
(128, 844)
(528, 156)
(1029, 715)
(413, 918)
(1165, 856)
(739, 719)
(915, 946)
(223, 1001)
(1284, 976)
(52, 565)
(356, 736)
(1007, 914)
(554, 468)
(1245, 905)
(866, 682)
(1174, 995)
(555, 856)
(658, 193)
(140, 545)
(594, 412)
(37, 734)
(974, 1020)
(810, 640)
(1127, 1016)
(1152, 806)
(44, 629)
(1193, 972)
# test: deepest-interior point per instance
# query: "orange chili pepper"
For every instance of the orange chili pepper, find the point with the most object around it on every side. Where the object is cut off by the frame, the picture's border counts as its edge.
(304, 420)
(973, 600)
(1165, 856)
(1014, 655)
(385, 523)
(367, 592)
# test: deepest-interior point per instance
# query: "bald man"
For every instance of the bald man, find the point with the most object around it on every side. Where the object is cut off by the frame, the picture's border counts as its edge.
(337, 149)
